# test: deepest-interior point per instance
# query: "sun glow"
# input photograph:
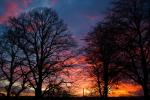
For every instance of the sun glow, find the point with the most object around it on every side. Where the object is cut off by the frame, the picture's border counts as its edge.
(125, 89)
(83, 84)
(122, 89)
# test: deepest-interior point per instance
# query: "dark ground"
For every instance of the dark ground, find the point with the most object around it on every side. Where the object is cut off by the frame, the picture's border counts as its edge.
(71, 98)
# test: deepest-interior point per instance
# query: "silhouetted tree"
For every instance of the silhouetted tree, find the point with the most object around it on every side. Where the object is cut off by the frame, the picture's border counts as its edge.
(23, 82)
(9, 63)
(56, 90)
(132, 17)
(100, 52)
(45, 42)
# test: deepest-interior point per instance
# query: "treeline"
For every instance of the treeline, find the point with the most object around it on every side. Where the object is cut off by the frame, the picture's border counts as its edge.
(119, 46)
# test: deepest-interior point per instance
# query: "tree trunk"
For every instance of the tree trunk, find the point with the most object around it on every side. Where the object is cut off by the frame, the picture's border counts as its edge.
(106, 81)
(145, 91)
(99, 84)
(9, 90)
(19, 92)
(144, 68)
(38, 92)
(99, 88)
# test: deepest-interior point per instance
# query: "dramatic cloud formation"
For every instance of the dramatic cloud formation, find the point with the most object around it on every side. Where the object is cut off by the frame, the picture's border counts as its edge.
(79, 15)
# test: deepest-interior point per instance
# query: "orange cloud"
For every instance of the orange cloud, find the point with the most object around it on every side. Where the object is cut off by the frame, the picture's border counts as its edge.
(125, 89)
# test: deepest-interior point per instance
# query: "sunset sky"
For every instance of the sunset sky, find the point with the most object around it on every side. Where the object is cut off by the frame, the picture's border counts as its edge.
(80, 16)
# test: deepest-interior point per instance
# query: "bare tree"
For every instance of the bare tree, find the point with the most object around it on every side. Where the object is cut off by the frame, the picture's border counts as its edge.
(45, 42)
(100, 52)
(23, 83)
(132, 16)
(9, 63)
(56, 88)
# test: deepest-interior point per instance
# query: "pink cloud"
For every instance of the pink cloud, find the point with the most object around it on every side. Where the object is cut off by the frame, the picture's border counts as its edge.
(13, 8)
(54, 2)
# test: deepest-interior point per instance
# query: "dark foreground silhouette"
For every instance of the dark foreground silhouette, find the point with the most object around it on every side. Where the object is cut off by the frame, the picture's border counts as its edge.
(69, 98)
